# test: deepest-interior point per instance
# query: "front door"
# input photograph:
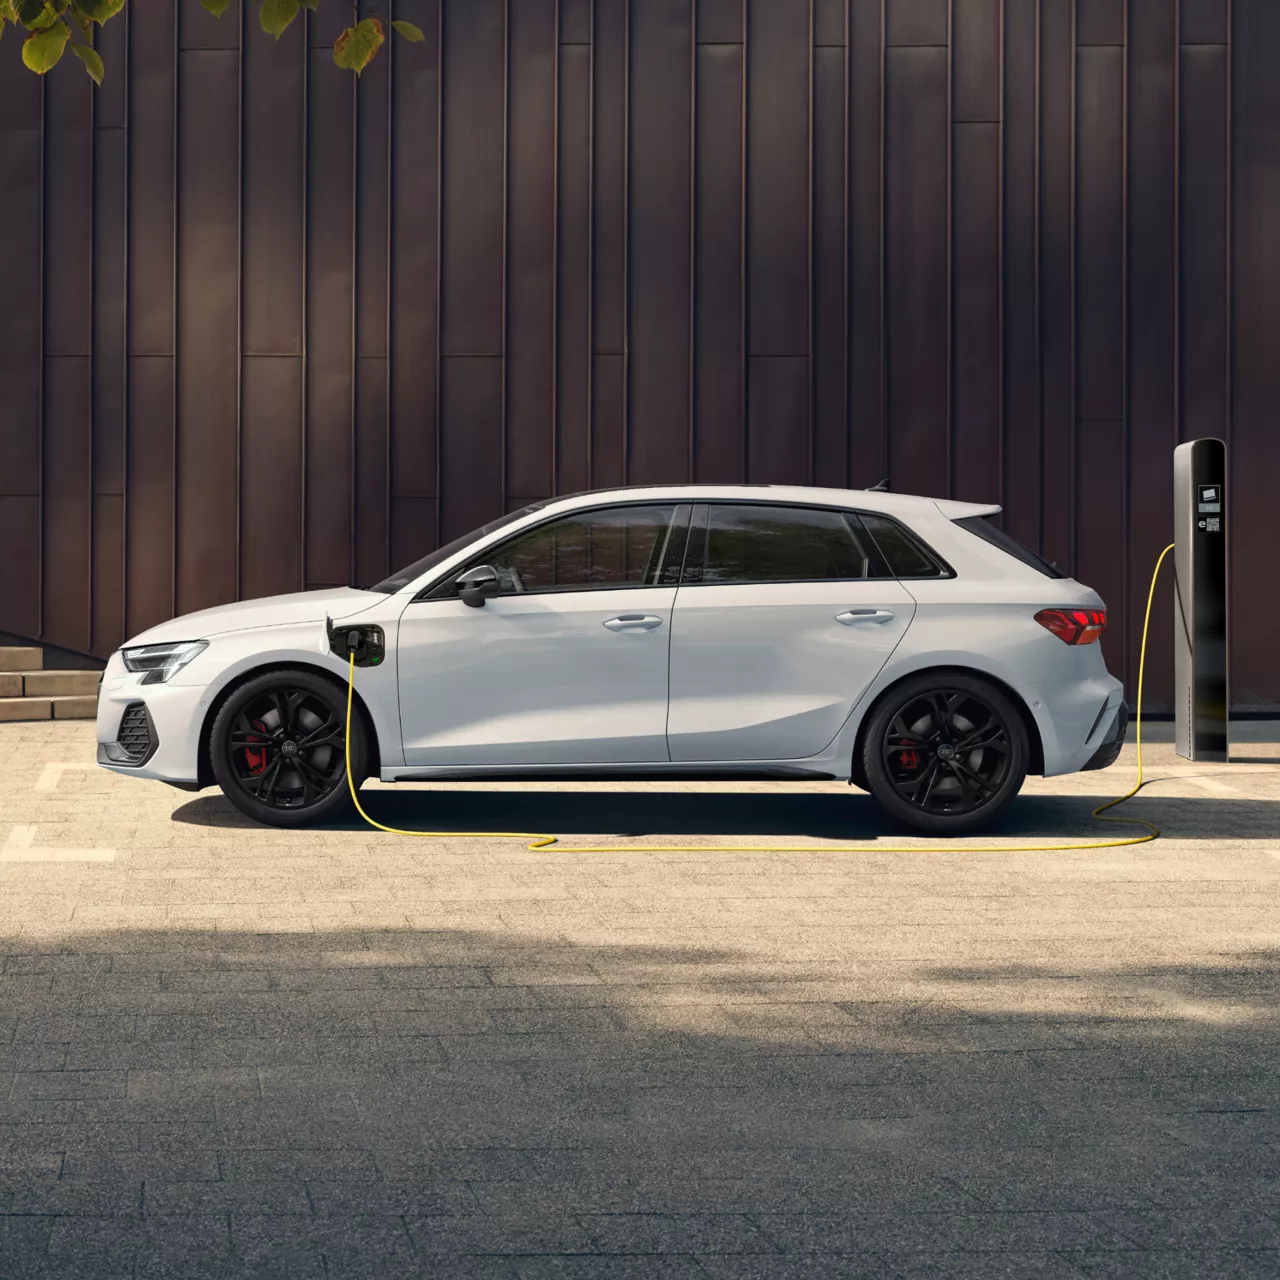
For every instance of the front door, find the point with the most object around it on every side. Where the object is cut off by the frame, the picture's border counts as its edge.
(568, 665)
(785, 615)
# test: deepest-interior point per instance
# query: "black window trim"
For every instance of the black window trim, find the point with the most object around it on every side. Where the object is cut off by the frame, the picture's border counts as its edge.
(443, 587)
(696, 544)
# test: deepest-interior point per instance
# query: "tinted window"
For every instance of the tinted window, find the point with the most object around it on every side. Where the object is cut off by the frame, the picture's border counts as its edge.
(441, 554)
(905, 554)
(613, 547)
(780, 544)
(988, 532)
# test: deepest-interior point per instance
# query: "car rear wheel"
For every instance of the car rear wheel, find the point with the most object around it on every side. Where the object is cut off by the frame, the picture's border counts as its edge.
(945, 753)
(277, 748)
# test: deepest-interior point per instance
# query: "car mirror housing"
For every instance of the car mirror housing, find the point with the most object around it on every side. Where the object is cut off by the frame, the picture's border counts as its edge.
(477, 585)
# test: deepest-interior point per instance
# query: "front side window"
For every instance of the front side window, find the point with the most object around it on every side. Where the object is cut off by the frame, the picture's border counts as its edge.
(747, 543)
(593, 550)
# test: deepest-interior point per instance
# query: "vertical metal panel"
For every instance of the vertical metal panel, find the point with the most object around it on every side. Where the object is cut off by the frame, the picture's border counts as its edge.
(1254, 324)
(868, 422)
(274, 200)
(473, 264)
(779, 50)
(721, 21)
(916, 22)
(531, 245)
(415, 252)
(371, 553)
(830, 270)
(719, 375)
(110, 317)
(201, 30)
(976, 59)
(916, 115)
(330, 319)
(1203, 177)
(474, 134)
(270, 475)
(1151, 312)
(571, 309)
(208, 326)
(1099, 271)
(1057, 280)
(975, 304)
(830, 23)
(21, 365)
(1100, 22)
(1100, 329)
(575, 21)
(778, 440)
(67, 482)
(152, 282)
(658, 218)
(1203, 21)
(1020, 260)
(610, 78)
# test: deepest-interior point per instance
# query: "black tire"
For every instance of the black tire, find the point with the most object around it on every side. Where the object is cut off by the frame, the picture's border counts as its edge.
(945, 752)
(250, 748)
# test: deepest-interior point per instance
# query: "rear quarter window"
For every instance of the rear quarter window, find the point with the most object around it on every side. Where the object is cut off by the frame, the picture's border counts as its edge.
(981, 527)
(904, 553)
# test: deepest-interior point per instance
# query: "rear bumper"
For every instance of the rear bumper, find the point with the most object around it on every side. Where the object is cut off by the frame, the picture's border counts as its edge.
(1109, 749)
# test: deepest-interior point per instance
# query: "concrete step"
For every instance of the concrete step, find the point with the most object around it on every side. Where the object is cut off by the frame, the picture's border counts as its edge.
(21, 659)
(60, 708)
(54, 684)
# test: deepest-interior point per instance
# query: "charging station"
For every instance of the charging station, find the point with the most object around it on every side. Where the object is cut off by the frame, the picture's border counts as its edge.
(1202, 702)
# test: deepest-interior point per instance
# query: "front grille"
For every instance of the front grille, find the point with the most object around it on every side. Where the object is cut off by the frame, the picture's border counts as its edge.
(135, 731)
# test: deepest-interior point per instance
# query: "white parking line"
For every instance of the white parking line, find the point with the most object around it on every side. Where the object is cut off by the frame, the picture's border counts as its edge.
(52, 773)
(21, 847)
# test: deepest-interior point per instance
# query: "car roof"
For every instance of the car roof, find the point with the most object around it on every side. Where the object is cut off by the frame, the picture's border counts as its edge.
(865, 499)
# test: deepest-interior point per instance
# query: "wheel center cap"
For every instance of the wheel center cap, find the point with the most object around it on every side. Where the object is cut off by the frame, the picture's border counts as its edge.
(289, 748)
(946, 751)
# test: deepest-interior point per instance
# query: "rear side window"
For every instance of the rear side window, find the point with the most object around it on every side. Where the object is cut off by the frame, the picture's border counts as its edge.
(905, 554)
(988, 532)
(760, 543)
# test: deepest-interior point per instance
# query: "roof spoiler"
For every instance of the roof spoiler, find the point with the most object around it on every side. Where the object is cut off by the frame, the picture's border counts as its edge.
(958, 510)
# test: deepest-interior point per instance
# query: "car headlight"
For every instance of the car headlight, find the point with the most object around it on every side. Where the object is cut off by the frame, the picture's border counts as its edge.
(160, 661)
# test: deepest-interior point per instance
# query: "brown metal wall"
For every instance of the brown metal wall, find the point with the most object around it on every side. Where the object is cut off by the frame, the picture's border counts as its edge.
(263, 326)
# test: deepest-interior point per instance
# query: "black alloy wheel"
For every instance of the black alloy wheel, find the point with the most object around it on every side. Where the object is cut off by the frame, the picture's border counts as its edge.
(945, 753)
(278, 748)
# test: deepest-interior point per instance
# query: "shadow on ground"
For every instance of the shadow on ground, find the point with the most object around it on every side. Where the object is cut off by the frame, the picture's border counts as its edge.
(814, 815)
(200, 1103)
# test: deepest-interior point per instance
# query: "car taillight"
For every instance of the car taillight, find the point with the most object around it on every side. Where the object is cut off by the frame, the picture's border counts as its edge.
(1073, 626)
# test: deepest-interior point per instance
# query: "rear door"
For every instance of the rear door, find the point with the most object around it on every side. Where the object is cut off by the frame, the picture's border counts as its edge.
(784, 615)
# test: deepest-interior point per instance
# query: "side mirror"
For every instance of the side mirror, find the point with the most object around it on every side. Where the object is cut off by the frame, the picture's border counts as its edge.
(477, 585)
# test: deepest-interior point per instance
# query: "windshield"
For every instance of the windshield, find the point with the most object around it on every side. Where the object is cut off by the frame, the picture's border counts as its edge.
(398, 581)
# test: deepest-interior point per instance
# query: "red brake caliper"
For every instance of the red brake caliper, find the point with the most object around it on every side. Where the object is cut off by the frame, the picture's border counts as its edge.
(910, 760)
(256, 760)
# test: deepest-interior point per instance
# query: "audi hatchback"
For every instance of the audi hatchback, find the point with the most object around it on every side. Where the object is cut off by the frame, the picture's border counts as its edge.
(757, 632)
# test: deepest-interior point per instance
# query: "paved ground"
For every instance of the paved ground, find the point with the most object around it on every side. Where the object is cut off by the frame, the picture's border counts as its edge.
(226, 1051)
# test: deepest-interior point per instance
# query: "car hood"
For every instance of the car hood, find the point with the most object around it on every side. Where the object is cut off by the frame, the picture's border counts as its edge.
(269, 611)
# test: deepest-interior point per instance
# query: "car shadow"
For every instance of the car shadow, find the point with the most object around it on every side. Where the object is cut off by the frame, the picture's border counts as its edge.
(791, 815)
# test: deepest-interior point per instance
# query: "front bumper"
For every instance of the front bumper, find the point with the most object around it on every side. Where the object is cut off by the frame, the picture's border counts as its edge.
(1112, 741)
(149, 731)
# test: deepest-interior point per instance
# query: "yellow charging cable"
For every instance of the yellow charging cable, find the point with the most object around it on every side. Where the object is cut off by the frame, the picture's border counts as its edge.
(540, 841)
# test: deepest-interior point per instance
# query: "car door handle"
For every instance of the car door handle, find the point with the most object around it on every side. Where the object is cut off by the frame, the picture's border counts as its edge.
(633, 622)
(851, 616)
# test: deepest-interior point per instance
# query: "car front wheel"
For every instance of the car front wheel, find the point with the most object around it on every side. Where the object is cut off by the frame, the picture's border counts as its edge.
(945, 753)
(278, 748)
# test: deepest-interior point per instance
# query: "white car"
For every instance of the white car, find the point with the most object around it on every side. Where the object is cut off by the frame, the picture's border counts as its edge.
(680, 631)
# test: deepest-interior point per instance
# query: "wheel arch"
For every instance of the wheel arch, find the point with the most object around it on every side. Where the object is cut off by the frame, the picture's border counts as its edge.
(1035, 743)
(204, 758)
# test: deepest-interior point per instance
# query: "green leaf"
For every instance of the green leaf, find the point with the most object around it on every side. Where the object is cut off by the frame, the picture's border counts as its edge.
(41, 50)
(92, 62)
(30, 11)
(216, 7)
(7, 13)
(275, 15)
(353, 50)
(313, 5)
(98, 10)
(408, 30)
